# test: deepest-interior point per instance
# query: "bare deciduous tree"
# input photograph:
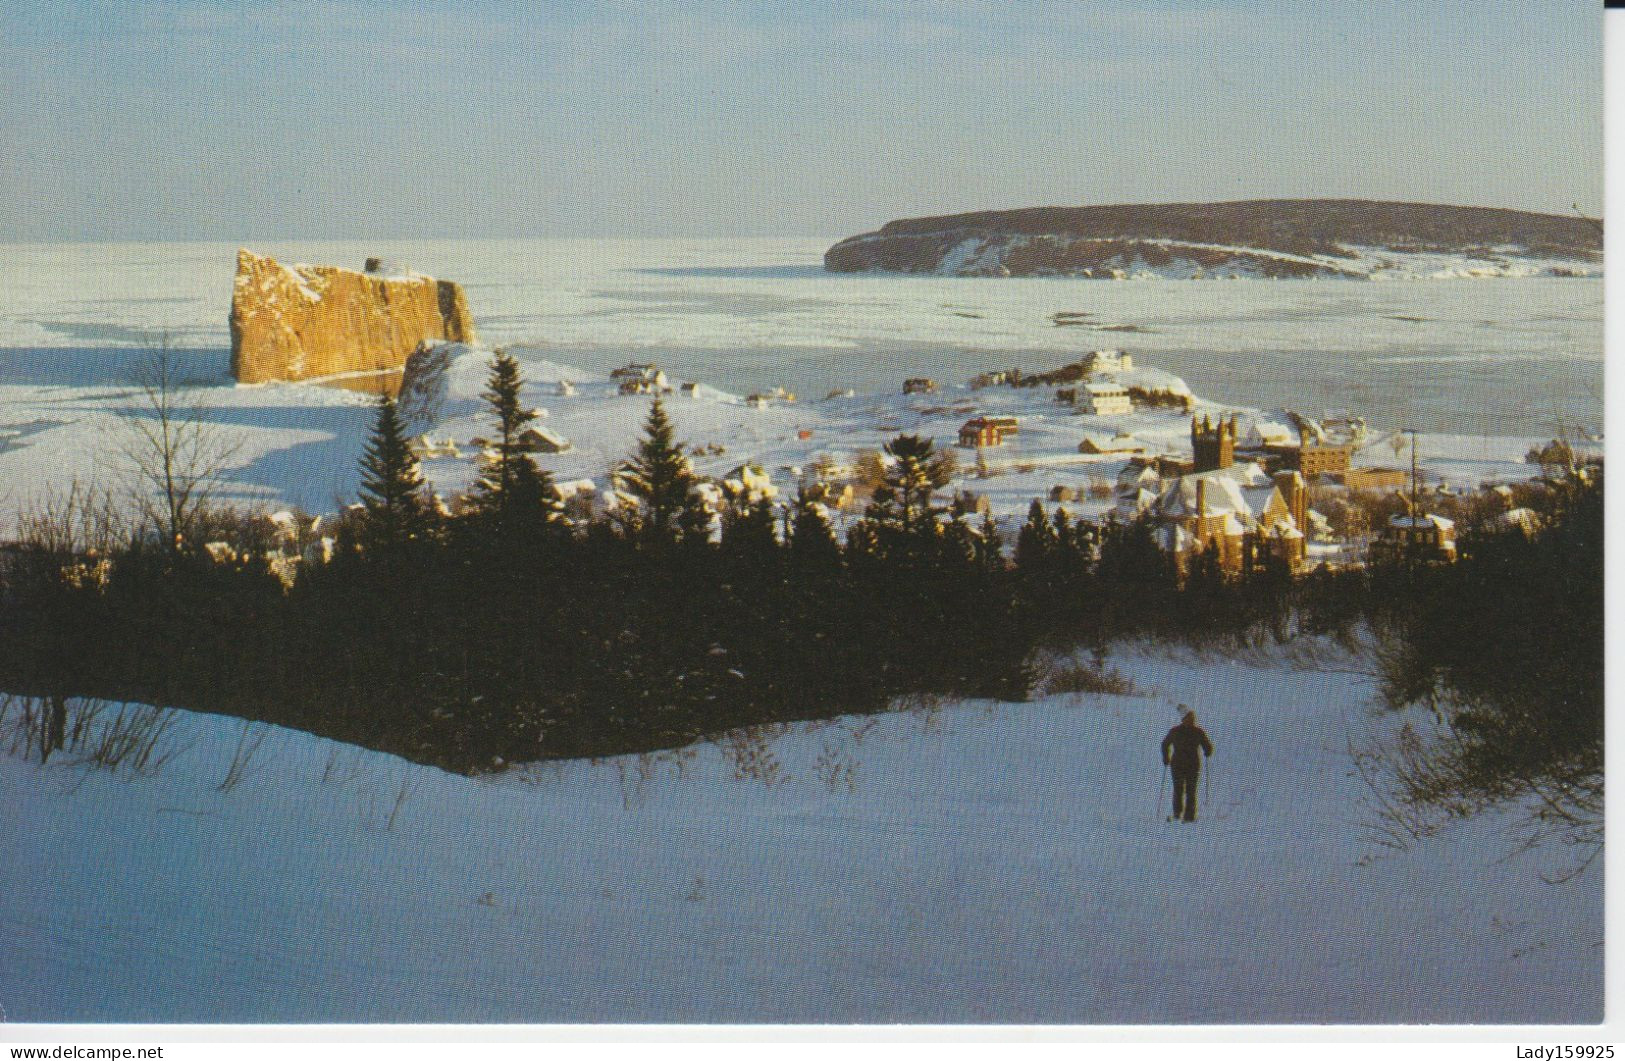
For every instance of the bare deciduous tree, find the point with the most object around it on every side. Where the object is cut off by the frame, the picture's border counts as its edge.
(177, 453)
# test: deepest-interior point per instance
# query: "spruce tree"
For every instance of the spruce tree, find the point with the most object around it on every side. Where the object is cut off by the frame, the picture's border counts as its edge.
(514, 492)
(1036, 543)
(748, 529)
(961, 543)
(662, 480)
(918, 472)
(812, 539)
(990, 544)
(397, 509)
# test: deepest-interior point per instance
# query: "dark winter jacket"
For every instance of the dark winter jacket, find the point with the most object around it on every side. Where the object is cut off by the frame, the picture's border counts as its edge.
(1184, 745)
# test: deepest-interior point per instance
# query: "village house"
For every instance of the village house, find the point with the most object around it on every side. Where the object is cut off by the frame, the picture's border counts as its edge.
(1426, 538)
(639, 378)
(985, 431)
(578, 496)
(1094, 442)
(830, 468)
(1324, 458)
(1269, 435)
(1105, 399)
(1305, 447)
(426, 446)
(1524, 521)
(919, 385)
(749, 481)
(541, 440)
(1371, 478)
(1106, 361)
(1142, 479)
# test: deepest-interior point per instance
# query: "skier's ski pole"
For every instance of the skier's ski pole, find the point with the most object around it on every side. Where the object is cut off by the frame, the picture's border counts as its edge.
(1161, 778)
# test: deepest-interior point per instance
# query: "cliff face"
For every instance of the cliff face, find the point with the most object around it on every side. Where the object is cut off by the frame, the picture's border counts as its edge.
(1262, 239)
(307, 321)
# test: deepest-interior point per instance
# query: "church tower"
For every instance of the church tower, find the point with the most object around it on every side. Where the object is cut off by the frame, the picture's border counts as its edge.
(1213, 443)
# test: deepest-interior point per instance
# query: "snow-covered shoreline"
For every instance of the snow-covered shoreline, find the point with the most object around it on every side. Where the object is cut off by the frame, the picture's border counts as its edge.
(297, 444)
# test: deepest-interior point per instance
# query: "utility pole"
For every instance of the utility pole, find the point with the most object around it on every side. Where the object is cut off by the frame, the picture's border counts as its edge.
(1411, 532)
(1411, 431)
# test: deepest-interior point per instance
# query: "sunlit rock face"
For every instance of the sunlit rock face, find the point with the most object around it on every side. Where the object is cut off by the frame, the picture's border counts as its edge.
(310, 321)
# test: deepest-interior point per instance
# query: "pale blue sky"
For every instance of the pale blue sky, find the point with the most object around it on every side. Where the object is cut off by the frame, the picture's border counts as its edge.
(188, 119)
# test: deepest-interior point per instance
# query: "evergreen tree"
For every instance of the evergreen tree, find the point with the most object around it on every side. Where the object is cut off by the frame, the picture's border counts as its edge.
(990, 545)
(662, 480)
(1036, 543)
(748, 531)
(961, 543)
(917, 473)
(812, 539)
(514, 492)
(397, 508)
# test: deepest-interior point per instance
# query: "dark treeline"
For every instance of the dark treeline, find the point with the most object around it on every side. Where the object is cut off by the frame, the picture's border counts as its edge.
(511, 633)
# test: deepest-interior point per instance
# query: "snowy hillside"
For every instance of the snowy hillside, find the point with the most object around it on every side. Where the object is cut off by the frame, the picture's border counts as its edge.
(984, 862)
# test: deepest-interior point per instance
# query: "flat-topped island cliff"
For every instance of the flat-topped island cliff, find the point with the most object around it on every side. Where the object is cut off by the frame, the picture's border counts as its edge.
(1257, 239)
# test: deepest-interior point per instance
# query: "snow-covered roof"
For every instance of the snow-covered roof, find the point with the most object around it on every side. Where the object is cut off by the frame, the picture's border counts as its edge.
(1524, 519)
(571, 488)
(1173, 538)
(1429, 520)
(1120, 443)
(1224, 492)
(1270, 433)
(1138, 474)
(1132, 504)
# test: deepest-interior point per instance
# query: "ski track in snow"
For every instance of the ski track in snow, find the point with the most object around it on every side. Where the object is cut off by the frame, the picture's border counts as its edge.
(990, 862)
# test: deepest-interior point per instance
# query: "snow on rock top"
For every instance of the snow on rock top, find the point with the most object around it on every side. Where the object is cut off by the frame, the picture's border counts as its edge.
(308, 321)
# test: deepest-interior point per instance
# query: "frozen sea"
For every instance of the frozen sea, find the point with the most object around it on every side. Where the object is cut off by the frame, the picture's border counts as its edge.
(1501, 357)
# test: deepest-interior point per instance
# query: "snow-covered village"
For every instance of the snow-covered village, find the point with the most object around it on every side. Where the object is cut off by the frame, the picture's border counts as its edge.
(888, 519)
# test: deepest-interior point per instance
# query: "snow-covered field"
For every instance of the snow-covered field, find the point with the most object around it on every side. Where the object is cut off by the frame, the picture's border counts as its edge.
(985, 862)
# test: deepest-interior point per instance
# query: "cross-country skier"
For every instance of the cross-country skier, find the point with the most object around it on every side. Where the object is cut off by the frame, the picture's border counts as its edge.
(1183, 749)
